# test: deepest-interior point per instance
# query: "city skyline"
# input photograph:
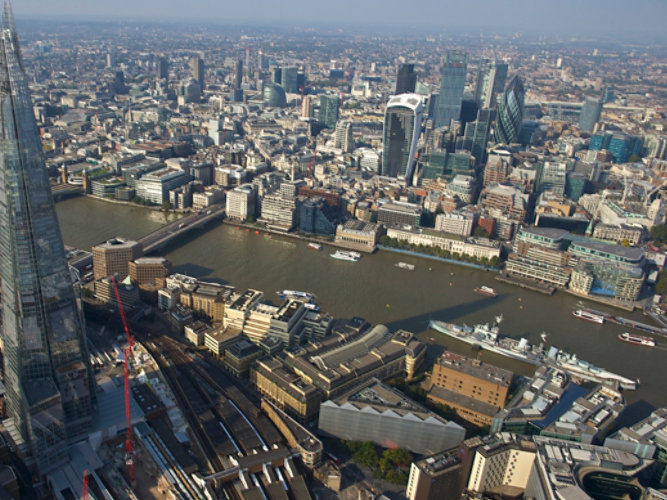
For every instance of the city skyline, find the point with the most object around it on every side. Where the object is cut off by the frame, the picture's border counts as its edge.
(640, 19)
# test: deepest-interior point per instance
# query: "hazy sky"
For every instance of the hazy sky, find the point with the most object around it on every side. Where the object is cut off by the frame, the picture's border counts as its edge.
(638, 17)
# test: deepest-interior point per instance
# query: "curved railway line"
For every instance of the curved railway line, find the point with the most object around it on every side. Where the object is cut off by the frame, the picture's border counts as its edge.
(226, 423)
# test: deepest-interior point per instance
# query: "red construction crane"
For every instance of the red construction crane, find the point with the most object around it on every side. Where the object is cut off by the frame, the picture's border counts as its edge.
(129, 454)
(85, 484)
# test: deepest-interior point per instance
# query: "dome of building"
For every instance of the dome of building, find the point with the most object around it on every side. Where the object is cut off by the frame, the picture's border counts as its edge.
(274, 96)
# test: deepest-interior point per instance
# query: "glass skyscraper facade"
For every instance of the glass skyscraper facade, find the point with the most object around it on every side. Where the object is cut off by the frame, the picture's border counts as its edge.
(491, 79)
(453, 73)
(406, 79)
(590, 114)
(510, 112)
(402, 126)
(49, 387)
(328, 112)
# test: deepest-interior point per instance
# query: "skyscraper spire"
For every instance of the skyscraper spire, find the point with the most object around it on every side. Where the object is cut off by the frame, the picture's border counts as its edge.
(49, 389)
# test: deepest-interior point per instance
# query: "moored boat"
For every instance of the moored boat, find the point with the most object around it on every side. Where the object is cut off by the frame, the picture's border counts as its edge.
(486, 290)
(346, 255)
(295, 294)
(588, 316)
(636, 339)
(488, 337)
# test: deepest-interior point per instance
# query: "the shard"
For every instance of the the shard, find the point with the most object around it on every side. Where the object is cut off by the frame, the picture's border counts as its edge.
(49, 388)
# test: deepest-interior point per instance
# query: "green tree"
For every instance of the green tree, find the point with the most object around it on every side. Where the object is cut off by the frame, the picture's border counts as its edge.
(166, 206)
(661, 285)
(480, 232)
(659, 233)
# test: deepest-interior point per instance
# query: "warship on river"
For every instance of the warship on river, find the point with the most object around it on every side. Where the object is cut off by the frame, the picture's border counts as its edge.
(488, 337)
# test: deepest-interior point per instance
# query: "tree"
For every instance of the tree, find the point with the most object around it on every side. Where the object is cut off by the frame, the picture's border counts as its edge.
(661, 285)
(480, 232)
(659, 233)
(165, 206)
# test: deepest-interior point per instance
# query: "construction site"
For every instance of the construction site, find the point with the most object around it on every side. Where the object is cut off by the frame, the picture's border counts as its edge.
(173, 424)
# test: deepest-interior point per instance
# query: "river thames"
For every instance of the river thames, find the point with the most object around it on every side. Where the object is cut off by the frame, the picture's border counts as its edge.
(376, 290)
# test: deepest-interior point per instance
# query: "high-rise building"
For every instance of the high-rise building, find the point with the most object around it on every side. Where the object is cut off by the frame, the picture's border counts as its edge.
(238, 73)
(476, 136)
(590, 114)
(510, 112)
(402, 126)
(306, 107)
(197, 67)
(163, 68)
(453, 73)
(49, 387)
(112, 257)
(406, 79)
(491, 79)
(288, 79)
(328, 113)
(111, 60)
(343, 138)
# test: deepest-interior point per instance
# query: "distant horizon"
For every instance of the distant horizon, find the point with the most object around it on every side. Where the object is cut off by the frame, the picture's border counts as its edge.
(639, 20)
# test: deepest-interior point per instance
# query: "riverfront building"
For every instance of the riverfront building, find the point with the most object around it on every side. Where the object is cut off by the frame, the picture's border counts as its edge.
(241, 202)
(479, 248)
(49, 388)
(113, 257)
(474, 390)
(154, 187)
(375, 412)
(358, 235)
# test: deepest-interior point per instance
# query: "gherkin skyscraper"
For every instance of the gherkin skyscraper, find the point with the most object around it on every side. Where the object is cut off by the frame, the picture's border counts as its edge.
(49, 388)
(510, 112)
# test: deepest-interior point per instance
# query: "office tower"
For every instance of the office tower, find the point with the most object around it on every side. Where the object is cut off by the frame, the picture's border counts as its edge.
(491, 79)
(248, 60)
(343, 136)
(306, 107)
(197, 67)
(590, 114)
(328, 112)
(111, 60)
(118, 83)
(111, 257)
(406, 79)
(263, 60)
(49, 388)
(276, 76)
(510, 112)
(238, 74)
(163, 68)
(476, 136)
(288, 79)
(451, 87)
(402, 126)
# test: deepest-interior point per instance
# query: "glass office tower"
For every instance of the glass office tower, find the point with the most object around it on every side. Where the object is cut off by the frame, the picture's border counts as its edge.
(453, 72)
(402, 126)
(49, 388)
(510, 112)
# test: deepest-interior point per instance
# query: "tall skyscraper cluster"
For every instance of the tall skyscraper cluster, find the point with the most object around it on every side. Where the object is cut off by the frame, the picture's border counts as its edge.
(49, 387)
